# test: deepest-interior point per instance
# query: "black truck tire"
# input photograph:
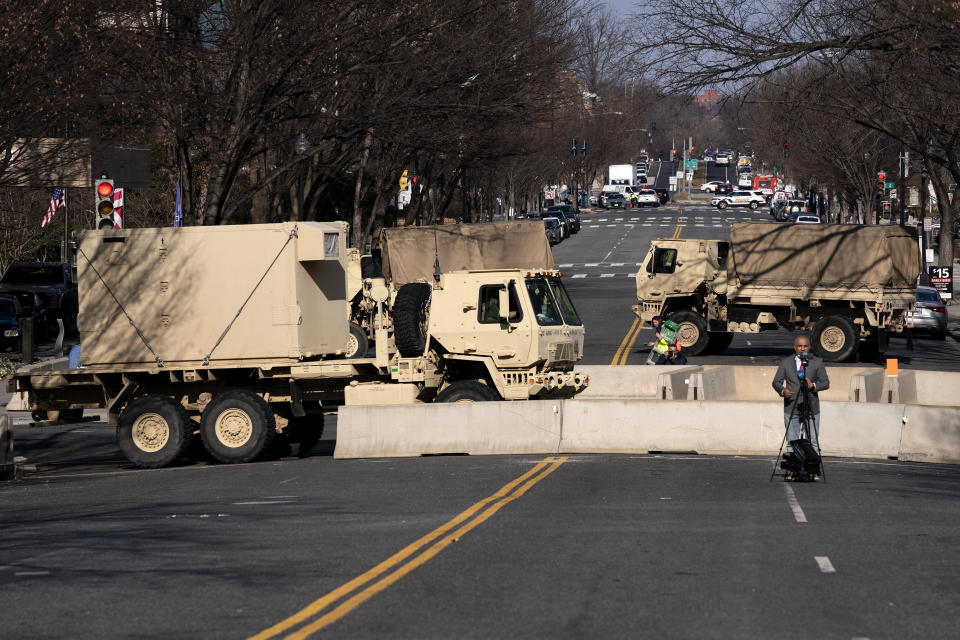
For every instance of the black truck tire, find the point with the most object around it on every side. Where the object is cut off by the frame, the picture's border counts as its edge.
(718, 341)
(410, 314)
(358, 344)
(834, 339)
(237, 426)
(692, 336)
(154, 431)
(467, 391)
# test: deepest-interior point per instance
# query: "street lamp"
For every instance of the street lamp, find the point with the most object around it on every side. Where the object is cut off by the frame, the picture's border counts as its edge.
(301, 148)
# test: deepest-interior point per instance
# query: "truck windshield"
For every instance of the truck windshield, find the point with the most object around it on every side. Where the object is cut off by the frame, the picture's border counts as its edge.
(33, 274)
(542, 300)
(563, 301)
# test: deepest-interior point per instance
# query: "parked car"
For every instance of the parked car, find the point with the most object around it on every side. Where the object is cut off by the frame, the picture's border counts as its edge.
(722, 160)
(724, 188)
(805, 218)
(613, 200)
(710, 187)
(929, 314)
(10, 314)
(663, 195)
(568, 215)
(552, 228)
(594, 200)
(740, 199)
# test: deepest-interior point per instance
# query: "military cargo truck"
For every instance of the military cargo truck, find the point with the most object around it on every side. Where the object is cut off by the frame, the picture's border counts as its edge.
(237, 335)
(850, 285)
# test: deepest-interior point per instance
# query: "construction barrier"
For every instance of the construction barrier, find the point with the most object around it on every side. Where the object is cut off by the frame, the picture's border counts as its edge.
(930, 434)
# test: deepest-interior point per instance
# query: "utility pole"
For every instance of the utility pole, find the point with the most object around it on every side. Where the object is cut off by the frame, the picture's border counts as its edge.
(902, 195)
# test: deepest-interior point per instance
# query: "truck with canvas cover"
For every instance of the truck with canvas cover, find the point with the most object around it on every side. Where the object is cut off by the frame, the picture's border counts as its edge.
(850, 285)
(412, 254)
(236, 335)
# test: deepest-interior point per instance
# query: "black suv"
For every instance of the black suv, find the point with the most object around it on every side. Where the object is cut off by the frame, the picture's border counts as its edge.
(569, 213)
(10, 314)
(663, 194)
(46, 291)
(723, 189)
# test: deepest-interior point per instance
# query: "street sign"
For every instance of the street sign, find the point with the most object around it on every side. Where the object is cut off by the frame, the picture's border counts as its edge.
(930, 256)
(692, 164)
(890, 185)
(689, 175)
(673, 181)
(928, 224)
(941, 278)
(680, 174)
(548, 194)
(893, 194)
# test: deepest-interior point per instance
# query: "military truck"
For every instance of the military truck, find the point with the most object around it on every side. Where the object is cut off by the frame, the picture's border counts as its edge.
(237, 335)
(408, 254)
(849, 284)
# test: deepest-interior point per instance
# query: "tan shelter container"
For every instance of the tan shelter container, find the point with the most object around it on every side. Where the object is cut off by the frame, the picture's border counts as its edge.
(238, 294)
(817, 255)
(409, 253)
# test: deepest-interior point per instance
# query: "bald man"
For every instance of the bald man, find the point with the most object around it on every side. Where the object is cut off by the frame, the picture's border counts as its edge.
(815, 379)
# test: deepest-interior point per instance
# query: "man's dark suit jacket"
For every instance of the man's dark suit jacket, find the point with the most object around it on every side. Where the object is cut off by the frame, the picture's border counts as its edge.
(815, 372)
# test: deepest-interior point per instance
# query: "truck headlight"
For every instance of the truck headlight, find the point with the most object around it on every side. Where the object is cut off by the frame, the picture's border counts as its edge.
(11, 333)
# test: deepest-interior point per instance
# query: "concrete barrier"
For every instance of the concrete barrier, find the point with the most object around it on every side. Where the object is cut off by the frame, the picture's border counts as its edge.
(755, 383)
(531, 426)
(934, 388)
(931, 434)
(636, 381)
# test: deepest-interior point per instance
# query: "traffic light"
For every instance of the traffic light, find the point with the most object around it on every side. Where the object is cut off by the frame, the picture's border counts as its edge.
(881, 179)
(786, 149)
(404, 181)
(104, 199)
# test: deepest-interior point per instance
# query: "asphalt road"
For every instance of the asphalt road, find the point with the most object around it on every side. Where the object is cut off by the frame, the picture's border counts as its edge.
(588, 546)
(600, 264)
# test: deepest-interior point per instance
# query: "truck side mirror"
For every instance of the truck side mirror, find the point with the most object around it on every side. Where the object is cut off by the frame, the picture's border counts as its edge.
(503, 298)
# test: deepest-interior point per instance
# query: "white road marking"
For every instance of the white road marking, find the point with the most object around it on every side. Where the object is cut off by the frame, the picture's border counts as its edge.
(794, 504)
(646, 224)
(26, 574)
(618, 219)
(611, 225)
(607, 275)
(616, 264)
(601, 220)
(664, 225)
(592, 264)
(579, 275)
(825, 565)
(564, 266)
(255, 502)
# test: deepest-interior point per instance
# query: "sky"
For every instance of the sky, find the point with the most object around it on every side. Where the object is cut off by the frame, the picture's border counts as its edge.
(623, 7)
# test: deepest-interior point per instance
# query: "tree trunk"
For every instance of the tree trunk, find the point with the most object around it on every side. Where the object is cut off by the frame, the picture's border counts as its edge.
(357, 226)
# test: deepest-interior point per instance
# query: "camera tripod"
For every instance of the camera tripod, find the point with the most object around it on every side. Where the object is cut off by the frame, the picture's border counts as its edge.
(801, 466)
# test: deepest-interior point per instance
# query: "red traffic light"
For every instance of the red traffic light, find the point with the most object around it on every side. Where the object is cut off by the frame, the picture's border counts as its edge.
(104, 189)
(881, 176)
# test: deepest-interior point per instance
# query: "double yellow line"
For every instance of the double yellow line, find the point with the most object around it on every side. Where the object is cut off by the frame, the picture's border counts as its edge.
(626, 345)
(321, 613)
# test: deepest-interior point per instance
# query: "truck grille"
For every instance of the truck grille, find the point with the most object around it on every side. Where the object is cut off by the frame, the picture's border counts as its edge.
(561, 352)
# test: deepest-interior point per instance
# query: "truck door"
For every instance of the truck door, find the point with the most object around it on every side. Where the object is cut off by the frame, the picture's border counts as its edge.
(507, 340)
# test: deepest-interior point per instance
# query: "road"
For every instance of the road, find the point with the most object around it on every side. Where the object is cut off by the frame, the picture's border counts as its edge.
(600, 264)
(581, 546)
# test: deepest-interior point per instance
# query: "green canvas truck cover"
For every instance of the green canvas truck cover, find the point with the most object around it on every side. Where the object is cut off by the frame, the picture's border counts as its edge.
(408, 252)
(823, 255)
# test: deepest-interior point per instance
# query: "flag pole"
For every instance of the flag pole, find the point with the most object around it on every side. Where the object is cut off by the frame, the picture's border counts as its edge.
(65, 255)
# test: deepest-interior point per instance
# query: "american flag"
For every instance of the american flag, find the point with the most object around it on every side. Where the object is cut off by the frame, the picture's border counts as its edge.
(57, 201)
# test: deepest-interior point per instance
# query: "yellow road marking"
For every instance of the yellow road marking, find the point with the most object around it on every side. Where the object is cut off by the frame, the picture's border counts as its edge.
(499, 499)
(623, 343)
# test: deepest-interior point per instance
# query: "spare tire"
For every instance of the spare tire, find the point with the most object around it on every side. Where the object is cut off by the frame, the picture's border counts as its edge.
(411, 310)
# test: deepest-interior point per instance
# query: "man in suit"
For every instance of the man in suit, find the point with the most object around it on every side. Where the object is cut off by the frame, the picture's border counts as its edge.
(814, 378)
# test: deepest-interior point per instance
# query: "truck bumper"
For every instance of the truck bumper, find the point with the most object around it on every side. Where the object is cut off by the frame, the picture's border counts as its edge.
(557, 384)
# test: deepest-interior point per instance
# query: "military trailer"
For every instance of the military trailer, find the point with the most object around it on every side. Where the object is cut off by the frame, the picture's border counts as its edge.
(850, 285)
(237, 335)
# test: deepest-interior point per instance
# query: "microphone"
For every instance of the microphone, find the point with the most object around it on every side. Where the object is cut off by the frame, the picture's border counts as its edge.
(802, 372)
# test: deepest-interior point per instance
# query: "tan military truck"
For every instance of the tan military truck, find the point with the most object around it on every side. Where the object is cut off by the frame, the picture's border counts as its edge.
(237, 335)
(850, 285)
(408, 254)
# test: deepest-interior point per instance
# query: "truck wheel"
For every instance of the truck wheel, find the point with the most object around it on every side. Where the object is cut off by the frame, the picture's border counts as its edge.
(718, 341)
(467, 391)
(754, 205)
(410, 314)
(153, 431)
(237, 426)
(834, 339)
(357, 343)
(300, 437)
(692, 334)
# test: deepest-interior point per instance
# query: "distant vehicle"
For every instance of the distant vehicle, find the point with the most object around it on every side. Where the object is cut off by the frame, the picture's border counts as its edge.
(710, 187)
(46, 291)
(741, 199)
(10, 314)
(806, 218)
(643, 159)
(745, 181)
(594, 200)
(552, 228)
(622, 174)
(646, 198)
(722, 160)
(929, 314)
(709, 157)
(723, 188)
(765, 183)
(569, 215)
(613, 200)
(744, 164)
(663, 194)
